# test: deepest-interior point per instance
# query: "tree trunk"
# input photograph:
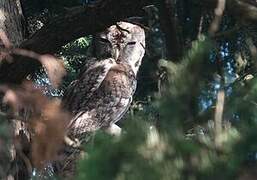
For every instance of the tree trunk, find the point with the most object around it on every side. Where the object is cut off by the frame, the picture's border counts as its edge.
(11, 20)
(11, 24)
(169, 25)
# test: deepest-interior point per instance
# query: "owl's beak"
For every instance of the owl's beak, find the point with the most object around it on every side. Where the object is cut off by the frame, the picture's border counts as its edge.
(116, 55)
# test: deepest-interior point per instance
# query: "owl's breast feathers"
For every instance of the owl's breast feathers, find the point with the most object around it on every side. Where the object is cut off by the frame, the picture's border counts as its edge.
(100, 97)
(120, 80)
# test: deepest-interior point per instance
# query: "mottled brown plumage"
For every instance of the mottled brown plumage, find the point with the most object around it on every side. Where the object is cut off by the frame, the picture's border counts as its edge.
(105, 86)
(108, 102)
(103, 92)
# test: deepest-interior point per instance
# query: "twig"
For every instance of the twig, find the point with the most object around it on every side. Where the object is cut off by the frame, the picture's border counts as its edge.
(219, 10)
(218, 118)
(200, 27)
(72, 143)
(5, 40)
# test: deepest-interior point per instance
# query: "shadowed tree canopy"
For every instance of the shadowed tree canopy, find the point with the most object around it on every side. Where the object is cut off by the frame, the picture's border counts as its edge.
(74, 22)
(70, 25)
(191, 116)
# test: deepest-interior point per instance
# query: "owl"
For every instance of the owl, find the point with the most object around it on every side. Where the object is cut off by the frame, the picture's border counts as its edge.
(104, 89)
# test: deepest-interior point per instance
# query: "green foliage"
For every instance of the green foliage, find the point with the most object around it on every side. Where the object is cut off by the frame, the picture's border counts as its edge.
(187, 80)
(169, 150)
(169, 136)
(74, 55)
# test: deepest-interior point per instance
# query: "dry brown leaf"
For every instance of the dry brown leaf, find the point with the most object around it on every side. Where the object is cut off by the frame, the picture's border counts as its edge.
(24, 96)
(11, 98)
(5, 40)
(54, 68)
(47, 121)
(49, 133)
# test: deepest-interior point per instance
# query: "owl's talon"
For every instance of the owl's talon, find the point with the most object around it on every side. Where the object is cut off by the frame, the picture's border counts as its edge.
(73, 143)
(113, 130)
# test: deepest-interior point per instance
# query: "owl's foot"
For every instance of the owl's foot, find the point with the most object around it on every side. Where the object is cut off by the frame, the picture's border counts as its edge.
(73, 143)
(114, 130)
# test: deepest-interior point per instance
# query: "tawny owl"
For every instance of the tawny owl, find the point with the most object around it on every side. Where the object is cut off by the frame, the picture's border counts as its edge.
(104, 89)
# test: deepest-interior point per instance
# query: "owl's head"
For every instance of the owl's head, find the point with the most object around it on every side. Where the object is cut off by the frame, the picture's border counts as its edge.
(124, 42)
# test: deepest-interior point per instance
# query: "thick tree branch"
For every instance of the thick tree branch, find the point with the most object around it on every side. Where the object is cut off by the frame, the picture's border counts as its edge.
(169, 27)
(77, 22)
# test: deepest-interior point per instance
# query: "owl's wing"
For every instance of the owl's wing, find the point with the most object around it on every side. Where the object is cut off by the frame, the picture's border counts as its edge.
(69, 93)
(89, 62)
(127, 103)
(125, 110)
(71, 89)
(81, 90)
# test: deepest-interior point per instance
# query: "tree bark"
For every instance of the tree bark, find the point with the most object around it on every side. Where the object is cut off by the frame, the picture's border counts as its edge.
(11, 24)
(11, 20)
(169, 27)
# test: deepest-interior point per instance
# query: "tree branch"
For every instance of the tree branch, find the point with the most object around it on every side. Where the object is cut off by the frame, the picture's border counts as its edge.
(241, 9)
(169, 28)
(77, 22)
